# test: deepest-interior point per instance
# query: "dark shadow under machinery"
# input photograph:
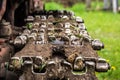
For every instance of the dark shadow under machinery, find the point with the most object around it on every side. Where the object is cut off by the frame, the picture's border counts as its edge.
(49, 45)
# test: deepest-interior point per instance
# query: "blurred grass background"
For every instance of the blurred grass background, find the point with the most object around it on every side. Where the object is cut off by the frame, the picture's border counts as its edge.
(105, 26)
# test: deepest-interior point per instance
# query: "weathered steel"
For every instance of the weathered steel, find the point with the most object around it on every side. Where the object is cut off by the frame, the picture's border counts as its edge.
(55, 45)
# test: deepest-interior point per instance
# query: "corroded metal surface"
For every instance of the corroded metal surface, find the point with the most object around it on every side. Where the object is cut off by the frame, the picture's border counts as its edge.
(5, 52)
(55, 45)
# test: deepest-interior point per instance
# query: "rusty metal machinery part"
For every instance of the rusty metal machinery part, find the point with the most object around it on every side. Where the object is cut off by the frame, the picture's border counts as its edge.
(97, 44)
(57, 67)
(79, 64)
(6, 51)
(55, 45)
(5, 30)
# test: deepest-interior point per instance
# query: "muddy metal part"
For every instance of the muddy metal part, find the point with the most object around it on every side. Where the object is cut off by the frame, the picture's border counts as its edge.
(5, 29)
(5, 55)
(5, 52)
(56, 46)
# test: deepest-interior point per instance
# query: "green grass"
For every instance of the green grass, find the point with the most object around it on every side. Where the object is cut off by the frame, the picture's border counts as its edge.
(106, 27)
(53, 6)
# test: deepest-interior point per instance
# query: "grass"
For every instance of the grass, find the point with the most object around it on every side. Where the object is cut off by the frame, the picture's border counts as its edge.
(106, 27)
